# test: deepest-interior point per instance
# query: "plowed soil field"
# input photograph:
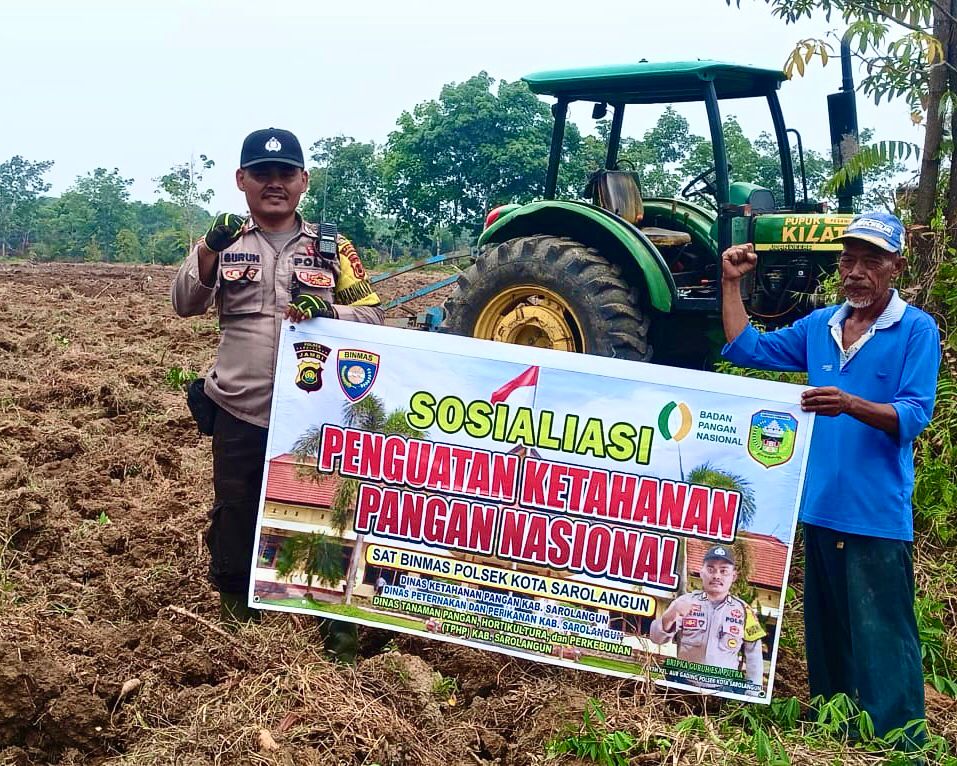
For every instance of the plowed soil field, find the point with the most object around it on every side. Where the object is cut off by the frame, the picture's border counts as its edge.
(110, 647)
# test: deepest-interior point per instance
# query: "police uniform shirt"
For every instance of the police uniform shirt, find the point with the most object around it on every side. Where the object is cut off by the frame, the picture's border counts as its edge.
(254, 284)
(717, 634)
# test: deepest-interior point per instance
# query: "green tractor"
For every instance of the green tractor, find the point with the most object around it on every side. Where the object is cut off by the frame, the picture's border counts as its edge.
(640, 277)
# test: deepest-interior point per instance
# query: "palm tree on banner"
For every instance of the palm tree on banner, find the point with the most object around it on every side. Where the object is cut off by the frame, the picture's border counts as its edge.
(708, 475)
(315, 555)
(368, 414)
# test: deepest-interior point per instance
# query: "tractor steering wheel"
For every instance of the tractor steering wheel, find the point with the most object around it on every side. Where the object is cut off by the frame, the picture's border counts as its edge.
(702, 185)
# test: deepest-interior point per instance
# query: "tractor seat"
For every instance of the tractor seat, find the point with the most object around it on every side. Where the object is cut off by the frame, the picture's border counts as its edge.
(617, 191)
(666, 237)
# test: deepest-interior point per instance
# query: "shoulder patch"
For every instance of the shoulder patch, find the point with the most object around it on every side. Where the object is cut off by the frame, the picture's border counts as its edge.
(348, 252)
(752, 626)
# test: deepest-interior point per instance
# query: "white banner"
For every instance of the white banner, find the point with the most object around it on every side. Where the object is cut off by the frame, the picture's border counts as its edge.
(611, 516)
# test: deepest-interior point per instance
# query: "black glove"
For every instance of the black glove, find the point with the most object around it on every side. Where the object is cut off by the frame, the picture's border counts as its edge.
(225, 230)
(313, 307)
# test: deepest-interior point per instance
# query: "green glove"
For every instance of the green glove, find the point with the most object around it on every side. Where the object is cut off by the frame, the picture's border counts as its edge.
(225, 230)
(314, 307)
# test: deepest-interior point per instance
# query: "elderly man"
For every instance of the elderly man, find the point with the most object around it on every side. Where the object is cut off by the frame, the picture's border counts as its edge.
(712, 627)
(873, 363)
(257, 270)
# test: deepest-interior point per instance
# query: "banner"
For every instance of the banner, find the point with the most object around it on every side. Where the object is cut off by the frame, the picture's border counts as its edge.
(625, 518)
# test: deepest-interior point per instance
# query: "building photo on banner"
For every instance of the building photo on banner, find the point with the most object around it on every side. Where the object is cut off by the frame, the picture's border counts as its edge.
(612, 516)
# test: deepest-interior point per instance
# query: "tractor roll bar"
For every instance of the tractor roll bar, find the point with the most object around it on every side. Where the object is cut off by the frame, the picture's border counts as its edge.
(784, 149)
(717, 143)
(560, 113)
(614, 138)
(722, 182)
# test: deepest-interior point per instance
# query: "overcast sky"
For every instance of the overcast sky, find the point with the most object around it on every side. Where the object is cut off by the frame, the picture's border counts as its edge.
(143, 85)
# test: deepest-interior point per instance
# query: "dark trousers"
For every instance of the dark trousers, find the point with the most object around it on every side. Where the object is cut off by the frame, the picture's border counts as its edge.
(859, 623)
(239, 452)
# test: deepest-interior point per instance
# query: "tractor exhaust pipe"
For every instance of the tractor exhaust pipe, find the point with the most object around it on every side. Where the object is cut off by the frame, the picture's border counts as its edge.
(842, 118)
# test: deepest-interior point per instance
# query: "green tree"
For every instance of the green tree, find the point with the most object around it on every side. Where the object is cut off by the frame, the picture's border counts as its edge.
(451, 160)
(127, 248)
(159, 227)
(66, 226)
(314, 556)
(21, 184)
(106, 196)
(368, 414)
(661, 154)
(183, 184)
(346, 187)
(909, 51)
(756, 161)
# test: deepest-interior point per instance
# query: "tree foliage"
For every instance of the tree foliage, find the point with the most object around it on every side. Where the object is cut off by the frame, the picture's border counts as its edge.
(95, 219)
(314, 556)
(451, 160)
(21, 184)
(480, 144)
(183, 184)
(346, 187)
(908, 50)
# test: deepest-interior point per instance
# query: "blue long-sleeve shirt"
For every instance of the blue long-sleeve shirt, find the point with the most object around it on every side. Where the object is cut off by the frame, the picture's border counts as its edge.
(859, 478)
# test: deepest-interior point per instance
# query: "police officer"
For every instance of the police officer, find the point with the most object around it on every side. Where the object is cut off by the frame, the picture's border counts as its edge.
(257, 270)
(712, 627)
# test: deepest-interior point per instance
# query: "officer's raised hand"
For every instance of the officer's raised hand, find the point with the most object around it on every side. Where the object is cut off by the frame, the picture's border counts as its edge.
(678, 609)
(737, 261)
(226, 229)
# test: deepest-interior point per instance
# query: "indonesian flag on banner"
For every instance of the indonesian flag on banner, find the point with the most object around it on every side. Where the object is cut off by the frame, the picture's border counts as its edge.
(527, 378)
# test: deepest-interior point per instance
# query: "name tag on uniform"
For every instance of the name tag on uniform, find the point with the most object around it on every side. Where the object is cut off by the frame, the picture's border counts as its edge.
(237, 258)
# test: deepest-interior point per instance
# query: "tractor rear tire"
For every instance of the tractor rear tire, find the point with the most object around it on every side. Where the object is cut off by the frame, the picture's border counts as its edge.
(550, 292)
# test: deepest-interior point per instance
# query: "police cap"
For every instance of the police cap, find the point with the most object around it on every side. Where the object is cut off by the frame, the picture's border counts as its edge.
(720, 553)
(271, 145)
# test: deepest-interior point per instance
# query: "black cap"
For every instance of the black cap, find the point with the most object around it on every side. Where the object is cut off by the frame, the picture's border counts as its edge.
(271, 145)
(720, 552)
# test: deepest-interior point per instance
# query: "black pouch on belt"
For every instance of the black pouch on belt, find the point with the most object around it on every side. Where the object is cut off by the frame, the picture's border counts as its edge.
(201, 406)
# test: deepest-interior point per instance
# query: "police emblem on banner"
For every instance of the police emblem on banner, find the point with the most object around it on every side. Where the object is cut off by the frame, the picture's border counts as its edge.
(771, 437)
(357, 372)
(311, 356)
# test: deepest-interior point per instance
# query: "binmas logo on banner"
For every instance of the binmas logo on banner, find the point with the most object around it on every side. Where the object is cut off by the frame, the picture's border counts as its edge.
(617, 517)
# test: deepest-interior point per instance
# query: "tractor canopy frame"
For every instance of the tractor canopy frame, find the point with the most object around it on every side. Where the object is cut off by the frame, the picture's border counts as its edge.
(647, 83)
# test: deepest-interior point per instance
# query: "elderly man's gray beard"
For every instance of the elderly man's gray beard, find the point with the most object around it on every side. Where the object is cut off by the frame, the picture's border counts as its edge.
(860, 303)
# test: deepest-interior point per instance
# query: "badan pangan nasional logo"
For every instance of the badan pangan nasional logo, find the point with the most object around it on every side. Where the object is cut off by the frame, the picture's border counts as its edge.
(771, 437)
(357, 372)
(312, 357)
(675, 421)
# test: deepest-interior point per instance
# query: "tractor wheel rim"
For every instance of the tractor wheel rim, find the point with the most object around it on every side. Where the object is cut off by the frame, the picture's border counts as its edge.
(531, 315)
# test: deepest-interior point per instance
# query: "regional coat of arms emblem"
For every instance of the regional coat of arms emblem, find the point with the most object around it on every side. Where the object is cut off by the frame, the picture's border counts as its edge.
(771, 437)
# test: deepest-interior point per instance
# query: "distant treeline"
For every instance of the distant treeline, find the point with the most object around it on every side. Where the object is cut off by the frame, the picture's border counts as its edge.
(428, 187)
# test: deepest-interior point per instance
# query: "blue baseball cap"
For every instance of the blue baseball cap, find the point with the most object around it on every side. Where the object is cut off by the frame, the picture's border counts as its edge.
(877, 228)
